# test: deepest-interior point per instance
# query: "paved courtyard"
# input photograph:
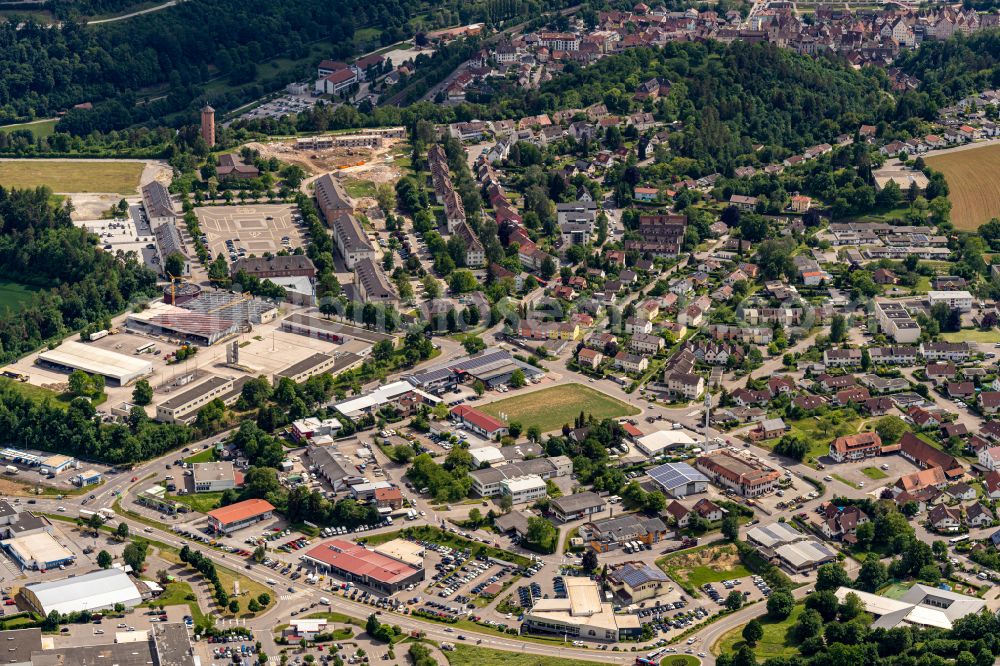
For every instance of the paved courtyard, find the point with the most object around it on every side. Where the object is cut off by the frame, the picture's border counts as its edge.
(255, 229)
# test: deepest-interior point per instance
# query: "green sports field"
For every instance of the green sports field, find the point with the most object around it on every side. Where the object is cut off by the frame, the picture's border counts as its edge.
(552, 407)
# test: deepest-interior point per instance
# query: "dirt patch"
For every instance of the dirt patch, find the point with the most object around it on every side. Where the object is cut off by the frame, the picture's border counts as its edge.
(374, 164)
(717, 559)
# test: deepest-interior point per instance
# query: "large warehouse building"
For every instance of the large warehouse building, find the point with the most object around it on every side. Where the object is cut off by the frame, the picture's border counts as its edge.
(116, 368)
(97, 590)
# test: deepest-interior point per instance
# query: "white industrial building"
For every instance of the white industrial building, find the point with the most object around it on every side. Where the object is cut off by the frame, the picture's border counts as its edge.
(922, 606)
(657, 442)
(117, 368)
(523, 489)
(97, 590)
(215, 476)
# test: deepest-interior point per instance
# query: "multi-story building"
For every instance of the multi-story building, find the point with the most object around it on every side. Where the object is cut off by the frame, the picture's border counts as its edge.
(215, 477)
(896, 322)
(744, 477)
(856, 447)
(956, 300)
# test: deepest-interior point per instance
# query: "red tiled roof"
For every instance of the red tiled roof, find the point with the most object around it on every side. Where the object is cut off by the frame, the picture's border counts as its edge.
(241, 511)
(477, 418)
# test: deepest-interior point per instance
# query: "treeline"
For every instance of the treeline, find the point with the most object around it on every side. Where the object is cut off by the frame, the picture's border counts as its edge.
(77, 431)
(48, 70)
(40, 246)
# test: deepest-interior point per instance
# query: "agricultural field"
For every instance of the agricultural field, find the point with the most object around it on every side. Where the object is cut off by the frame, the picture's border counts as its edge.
(707, 564)
(972, 181)
(552, 407)
(14, 294)
(119, 177)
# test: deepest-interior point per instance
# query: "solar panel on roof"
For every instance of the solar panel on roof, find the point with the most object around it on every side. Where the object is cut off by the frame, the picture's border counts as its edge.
(633, 576)
(671, 475)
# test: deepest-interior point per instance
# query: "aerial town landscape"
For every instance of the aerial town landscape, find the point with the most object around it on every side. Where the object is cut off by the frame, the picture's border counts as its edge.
(515, 331)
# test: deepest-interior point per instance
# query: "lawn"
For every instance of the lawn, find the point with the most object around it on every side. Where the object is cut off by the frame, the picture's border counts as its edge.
(895, 591)
(973, 184)
(874, 473)
(551, 408)
(176, 594)
(775, 642)
(15, 294)
(200, 502)
(972, 335)
(680, 660)
(819, 432)
(248, 588)
(706, 564)
(208, 455)
(33, 392)
(468, 655)
(358, 188)
(40, 128)
(120, 177)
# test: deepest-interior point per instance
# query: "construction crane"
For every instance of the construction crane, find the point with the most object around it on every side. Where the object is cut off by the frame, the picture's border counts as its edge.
(173, 286)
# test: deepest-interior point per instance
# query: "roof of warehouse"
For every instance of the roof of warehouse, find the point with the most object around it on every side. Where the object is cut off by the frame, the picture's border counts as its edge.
(95, 360)
(774, 534)
(803, 553)
(40, 547)
(241, 511)
(97, 589)
(195, 392)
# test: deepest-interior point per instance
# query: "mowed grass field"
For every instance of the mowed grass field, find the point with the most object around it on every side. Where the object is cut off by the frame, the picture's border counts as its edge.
(775, 643)
(74, 176)
(468, 655)
(13, 294)
(39, 128)
(552, 407)
(973, 177)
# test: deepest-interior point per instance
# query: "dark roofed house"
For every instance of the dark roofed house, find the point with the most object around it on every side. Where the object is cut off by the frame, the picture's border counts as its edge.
(925, 456)
(275, 266)
(575, 506)
(232, 166)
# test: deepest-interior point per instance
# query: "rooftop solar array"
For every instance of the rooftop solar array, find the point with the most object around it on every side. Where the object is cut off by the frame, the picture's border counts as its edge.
(672, 475)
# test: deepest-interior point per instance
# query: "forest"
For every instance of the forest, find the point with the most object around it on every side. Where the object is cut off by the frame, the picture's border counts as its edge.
(39, 245)
(157, 64)
(956, 67)
(76, 431)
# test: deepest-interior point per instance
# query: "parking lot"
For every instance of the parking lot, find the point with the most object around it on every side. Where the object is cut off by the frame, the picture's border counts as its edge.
(239, 231)
(281, 106)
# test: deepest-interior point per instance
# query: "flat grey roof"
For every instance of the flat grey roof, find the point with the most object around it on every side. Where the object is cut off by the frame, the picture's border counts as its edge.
(337, 328)
(198, 391)
(17, 645)
(173, 647)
